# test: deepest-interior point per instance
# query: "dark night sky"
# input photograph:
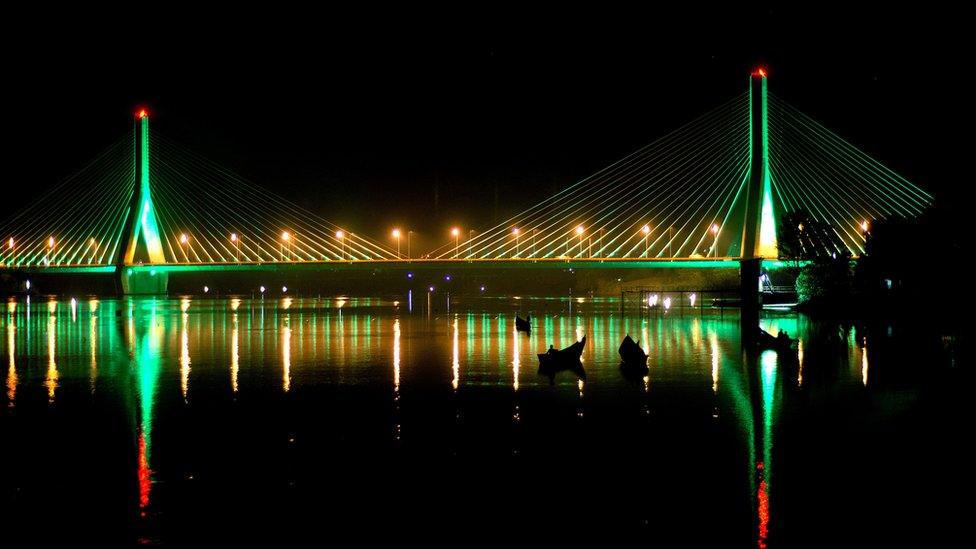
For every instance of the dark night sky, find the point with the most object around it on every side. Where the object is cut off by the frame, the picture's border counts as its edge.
(361, 122)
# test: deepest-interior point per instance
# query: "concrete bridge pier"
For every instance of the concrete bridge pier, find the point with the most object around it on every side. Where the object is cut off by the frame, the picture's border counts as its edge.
(142, 282)
(749, 270)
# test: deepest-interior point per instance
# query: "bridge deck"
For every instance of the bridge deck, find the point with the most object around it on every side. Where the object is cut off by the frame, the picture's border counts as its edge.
(454, 264)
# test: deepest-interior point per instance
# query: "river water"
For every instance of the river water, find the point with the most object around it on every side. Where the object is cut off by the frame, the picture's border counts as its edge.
(179, 421)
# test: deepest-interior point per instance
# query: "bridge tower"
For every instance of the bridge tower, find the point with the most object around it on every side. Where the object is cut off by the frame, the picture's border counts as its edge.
(759, 224)
(140, 235)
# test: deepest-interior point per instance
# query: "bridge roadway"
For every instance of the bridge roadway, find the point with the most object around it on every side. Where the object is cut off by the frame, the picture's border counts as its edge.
(371, 264)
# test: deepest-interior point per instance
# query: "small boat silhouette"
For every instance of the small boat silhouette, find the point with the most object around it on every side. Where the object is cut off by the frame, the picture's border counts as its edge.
(555, 360)
(781, 343)
(633, 363)
(523, 325)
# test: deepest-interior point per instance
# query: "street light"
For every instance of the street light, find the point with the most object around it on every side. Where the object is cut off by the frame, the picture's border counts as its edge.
(396, 235)
(646, 229)
(340, 236)
(715, 242)
(670, 239)
(455, 232)
(285, 245)
(236, 241)
(515, 233)
(864, 226)
(185, 243)
(579, 231)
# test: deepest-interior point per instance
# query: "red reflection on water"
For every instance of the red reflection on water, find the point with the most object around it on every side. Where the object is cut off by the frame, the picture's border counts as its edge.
(145, 484)
(763, 497)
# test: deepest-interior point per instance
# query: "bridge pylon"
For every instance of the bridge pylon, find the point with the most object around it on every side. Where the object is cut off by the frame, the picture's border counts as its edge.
(140, 236)
(759, 224)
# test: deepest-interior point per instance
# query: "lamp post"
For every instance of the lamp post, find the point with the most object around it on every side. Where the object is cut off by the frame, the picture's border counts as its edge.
(715, 240)
(185, 244)
(396, 235)
(340, 236)
(455, 232)
(646, 229)
(515, 233)
(285, 245)
(236, 241)
(579, 232)
(670, 238)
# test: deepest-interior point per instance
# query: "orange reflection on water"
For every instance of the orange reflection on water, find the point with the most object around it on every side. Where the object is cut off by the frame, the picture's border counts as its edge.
(286, 357)
(235, 352)
(456, 362)
(799, 358)
(11, 366)
(396, 356)
(516, 362)
(145, 482)
(713, 339)
(763, 497)
(93, 348)
(864, 362)
(51, 379)
(185, 352)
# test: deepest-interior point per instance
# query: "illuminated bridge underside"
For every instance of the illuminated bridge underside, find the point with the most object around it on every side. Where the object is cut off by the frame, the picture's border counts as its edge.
(683, 197)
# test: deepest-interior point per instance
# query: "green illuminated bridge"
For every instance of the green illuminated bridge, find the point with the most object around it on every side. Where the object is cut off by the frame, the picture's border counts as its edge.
(708, 194)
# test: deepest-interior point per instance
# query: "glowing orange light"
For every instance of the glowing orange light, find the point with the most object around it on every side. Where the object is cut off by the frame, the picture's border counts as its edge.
(579, 229)
(646, 229)
(714, 228)
(396, 233)
(143, 113)
(184, 239)
(515, 231)
(285, 236)
(864, 226)
(233, 237)
(50, 242)
(11, 242)
(340, 235)
(760, 72)
(455, 231)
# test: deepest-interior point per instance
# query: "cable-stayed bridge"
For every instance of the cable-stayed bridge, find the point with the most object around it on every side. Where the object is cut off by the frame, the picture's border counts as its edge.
(707, 194)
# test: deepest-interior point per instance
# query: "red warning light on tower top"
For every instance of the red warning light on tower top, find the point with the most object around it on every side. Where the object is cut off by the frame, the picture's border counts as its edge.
(143, 113)
(761, 72)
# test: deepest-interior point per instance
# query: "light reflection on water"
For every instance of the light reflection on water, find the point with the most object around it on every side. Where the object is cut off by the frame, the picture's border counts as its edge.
(298, 345)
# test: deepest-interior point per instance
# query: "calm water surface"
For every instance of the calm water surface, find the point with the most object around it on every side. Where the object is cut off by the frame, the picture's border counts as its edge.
(169, 421)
